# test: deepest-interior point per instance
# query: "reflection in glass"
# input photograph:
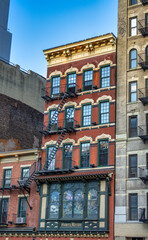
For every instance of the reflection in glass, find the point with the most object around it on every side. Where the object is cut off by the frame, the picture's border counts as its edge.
(67, 204)
(78, 203)
(54, 205)
(92, 210)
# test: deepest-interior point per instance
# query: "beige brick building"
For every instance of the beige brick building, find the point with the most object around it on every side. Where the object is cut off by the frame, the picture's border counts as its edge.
(131, 199)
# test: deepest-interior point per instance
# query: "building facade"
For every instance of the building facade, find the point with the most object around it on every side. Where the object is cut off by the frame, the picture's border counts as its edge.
(18, 194)
(5, 35)
(131, 192)
(76, 180)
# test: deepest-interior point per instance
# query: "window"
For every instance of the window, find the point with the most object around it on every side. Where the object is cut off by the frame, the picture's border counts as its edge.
(71, 82)
(53, 120)
(146, 54)
(132, 2)
(104, 112)
(133, 206)
(105, 77)
(132, 166)
(22, 210)
(84, 154)
(92, 208)
(55, 85)
(146, 87)
(69, 117)
(133, 26)
(133, 58)
(67, 156)
(87, 79)
(50, 164)
(4, 210)
(133, 92)
(86, 115)
(133, 126)
(7, 178)
(103, 148)
(25, 173)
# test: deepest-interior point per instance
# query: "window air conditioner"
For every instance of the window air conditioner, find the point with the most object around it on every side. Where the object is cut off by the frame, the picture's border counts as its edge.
(20, 220)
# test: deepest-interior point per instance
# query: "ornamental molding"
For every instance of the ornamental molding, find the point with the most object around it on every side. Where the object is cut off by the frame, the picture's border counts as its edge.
(51, 142)
(88, 65)
(52, 107)
(105, 62)
(87, 100)
(104, 97)
(72, 69)
(56, 72)
(68, 140)
(103, 136)
(70, 104)
(85, 138)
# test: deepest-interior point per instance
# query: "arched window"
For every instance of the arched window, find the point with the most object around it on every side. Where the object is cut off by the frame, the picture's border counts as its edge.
(67, 203)
(54, 205)
(92, 208)
(146, 55)
(78, 204)
(133, 58)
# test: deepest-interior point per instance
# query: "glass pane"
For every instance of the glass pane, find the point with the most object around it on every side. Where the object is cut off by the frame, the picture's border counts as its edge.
(78, 204)
(67, 156)
(132, 2)
(56, 85)
(133, 92)
(69, 122)
(133, 166)
(133, 127)
(85, 151)
(4, 211)
(105, 76)
(104, 112)
(92, 209)
(72, 81)
(88, 79)
(23, 207)
(54, 205)
(67, 204)
(86, 115)
(51, 164)
(25, 173)
(103, 153)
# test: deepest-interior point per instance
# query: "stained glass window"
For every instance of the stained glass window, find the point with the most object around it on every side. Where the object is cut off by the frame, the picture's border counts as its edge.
(78, 204)
(67, 203)
(92, 209)
(54, 205)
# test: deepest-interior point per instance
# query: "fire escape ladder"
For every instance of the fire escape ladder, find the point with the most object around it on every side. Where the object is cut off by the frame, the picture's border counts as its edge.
(58, 110)
(55, 149)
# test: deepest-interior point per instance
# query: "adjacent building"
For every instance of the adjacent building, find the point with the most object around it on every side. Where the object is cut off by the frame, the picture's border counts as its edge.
(131, 191)
(76, 181)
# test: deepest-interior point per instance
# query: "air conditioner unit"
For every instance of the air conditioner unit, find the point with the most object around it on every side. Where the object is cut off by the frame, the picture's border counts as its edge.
(21, 220)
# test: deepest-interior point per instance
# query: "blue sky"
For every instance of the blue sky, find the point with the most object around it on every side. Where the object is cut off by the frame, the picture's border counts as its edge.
(41, 24)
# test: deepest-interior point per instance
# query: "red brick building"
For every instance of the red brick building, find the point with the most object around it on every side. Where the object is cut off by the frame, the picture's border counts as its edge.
(76, 176)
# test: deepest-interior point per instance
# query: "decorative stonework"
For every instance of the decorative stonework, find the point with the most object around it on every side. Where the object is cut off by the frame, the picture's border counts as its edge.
(86, 100)
(104, 97)
(70, 104)
(103, 136)
(50, 143)
(55, 73)
(68, 140)
(72, 69)
(85, 138)
(88, 65)
(52, 107)
(105, 62)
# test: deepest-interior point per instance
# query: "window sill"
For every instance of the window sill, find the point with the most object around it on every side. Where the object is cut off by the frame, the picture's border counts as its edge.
(133, 138)
(134, 5)
(134, 37)
(134, 69)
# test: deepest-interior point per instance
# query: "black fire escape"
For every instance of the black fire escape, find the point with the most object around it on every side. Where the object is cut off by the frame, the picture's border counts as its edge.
(144, 2)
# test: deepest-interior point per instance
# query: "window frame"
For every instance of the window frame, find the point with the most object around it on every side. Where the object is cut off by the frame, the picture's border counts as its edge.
(131, 28)
(23, 168)
(86, 70)
(68, 74)
(4, 177)
(104, 66)
(65, 115)
(82, 115)
(65, 144)
(2, 212)
(131, 93)
(50, 110)
(130, 207)
(132, 59)
(130, 175)
(80, 162)
(47, 147)
(19, 206)
(105, 139)
(51, 92)
(104, 101)
(131, 134)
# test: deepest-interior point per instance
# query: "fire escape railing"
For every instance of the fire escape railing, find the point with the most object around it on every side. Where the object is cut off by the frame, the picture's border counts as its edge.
(143, 132)
(143, 27)
(143, 174)
(143, 61)
(143, 95)
(143, 217)
(144, 2)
